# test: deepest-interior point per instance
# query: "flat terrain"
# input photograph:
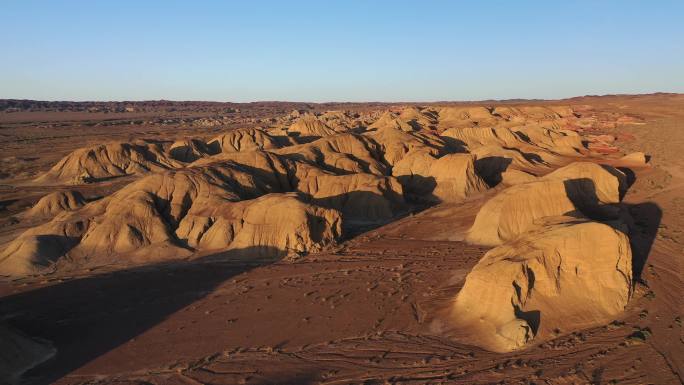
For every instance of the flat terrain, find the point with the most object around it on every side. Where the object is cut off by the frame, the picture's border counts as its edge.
(365, 310)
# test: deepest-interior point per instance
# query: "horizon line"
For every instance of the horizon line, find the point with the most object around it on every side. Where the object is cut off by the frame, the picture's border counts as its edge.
(345, 102)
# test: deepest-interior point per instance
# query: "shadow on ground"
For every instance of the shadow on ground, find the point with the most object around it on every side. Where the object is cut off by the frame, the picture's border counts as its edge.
(643, 219)
(87, 317)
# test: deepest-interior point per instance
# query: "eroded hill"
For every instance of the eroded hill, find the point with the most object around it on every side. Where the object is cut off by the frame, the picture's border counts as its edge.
(535, 193)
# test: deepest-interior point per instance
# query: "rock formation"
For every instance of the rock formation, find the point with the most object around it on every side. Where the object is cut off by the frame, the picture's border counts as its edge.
(243, 140)
(395, 143)
(333, 172)
(56, 203)
(309, 126)
(557, 277)
(634, 159)
(577, 189)
(450, 178)
(104, 161)
(189, 150)
(388, 120)
(419, 119)
(341, 153)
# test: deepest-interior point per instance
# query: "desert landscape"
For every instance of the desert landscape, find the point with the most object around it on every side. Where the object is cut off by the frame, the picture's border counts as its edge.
(493, 242)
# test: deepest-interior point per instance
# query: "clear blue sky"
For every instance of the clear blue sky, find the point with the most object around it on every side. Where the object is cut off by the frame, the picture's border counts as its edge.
(338, 50)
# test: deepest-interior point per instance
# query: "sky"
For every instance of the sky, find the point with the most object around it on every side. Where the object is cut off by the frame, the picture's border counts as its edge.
(329, 50)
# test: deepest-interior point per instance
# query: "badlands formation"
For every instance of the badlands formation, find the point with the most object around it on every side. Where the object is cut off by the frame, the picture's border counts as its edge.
(432, 240)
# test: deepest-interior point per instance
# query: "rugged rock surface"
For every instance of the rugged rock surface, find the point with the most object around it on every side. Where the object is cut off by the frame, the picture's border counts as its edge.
(578, 189)
(560, 276)
(234, 312)
(104, 161)
(635, 158)
(607, 183)
(243, 140)
(189, 150)
(309, 127)
(56, 203)
(450, 178)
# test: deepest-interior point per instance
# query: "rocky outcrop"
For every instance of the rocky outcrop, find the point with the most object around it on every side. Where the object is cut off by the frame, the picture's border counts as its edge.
(395, 143)
(339, 154)
(189, 150)
(419, 118)
(389, 120)
(56, 203)
(105, 161)
(361, 198)
(577, 189)
(634, 159)
(246, 139)
(450, 178)
(606, 183)
(351, 169)
(310, 126)
(558, 277)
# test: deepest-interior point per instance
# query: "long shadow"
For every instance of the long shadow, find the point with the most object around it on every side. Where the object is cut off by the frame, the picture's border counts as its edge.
(87, 317)
(646, 221)
(418, 188)
(491, 168)
(642, 220)
(454, 145)
(52, 247)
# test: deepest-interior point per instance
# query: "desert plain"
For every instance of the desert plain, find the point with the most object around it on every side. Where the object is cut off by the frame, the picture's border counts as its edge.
(494, 242)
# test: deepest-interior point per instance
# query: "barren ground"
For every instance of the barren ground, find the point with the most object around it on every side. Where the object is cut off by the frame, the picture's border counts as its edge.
(363, 312)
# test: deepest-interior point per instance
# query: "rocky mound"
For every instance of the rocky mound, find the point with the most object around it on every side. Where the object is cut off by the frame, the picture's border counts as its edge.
(493, 162)
(456, 117)
(389, 120)
(450, 178)
(419, 119)
(273, 225)
(160, 216)
(340, 121)
(634, 159)
(361, 198)
(456, 178)
(555, 140)
(244, 139)
(544, 142)
(205, 207)
(56, 203)
(189, 150)
(607, 183)
(577, 189)
(106, 161)
(474, 137)
(343, 169)
(551, 116)
(340, 154)
(395, 144)
(556, 278)
(512, 177)
(308, 127)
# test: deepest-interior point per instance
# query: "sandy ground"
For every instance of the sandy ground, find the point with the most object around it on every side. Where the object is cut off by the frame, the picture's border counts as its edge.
(365, 312)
